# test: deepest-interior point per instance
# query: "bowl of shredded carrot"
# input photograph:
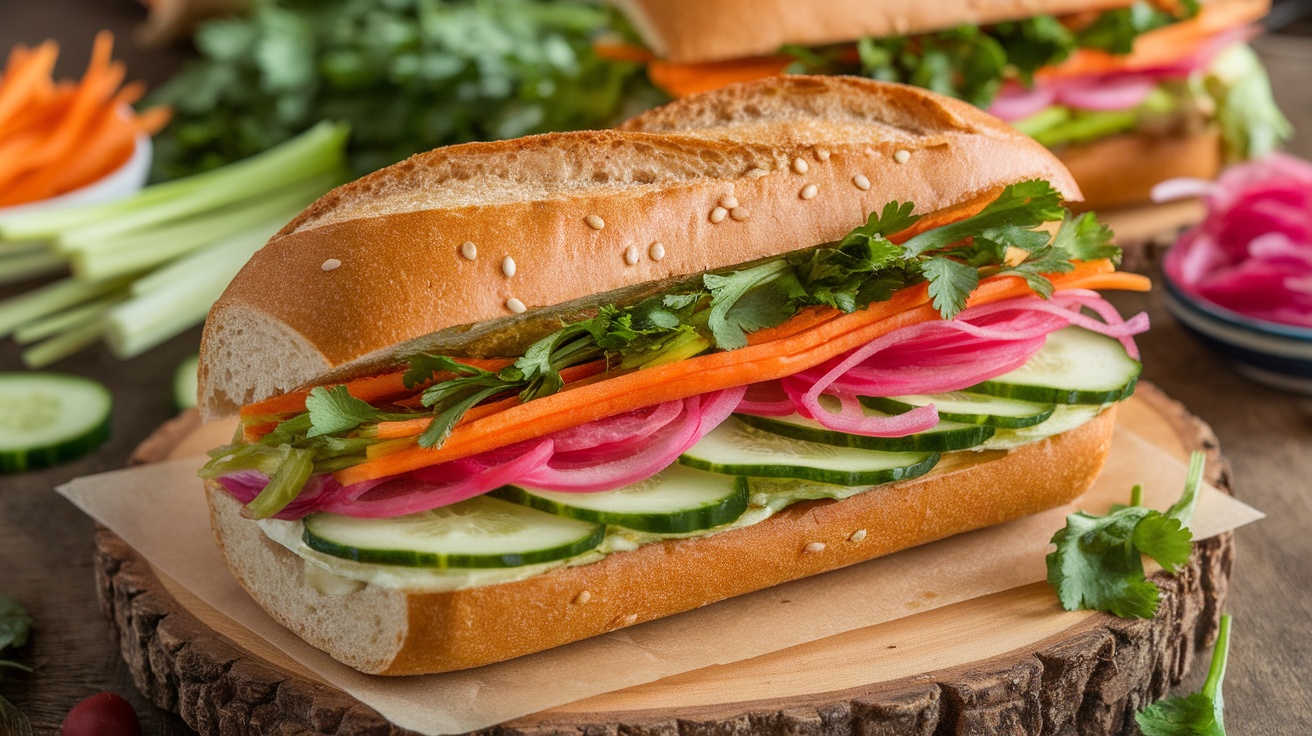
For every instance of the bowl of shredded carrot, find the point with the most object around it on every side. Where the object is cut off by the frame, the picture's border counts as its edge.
(65, 141)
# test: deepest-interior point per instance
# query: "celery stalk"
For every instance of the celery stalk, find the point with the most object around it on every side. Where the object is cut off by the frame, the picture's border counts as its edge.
(60, 347)
(52, 298)
(30, 264)
(66, 320)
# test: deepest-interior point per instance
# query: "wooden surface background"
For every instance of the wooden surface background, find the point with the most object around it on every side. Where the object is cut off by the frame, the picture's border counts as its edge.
(46, 544)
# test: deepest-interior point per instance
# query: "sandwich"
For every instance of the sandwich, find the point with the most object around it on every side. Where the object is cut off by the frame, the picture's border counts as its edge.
(504, 396)
(1127, 93)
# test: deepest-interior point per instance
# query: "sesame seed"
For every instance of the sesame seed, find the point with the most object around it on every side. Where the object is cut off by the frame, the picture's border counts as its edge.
(739, 213)
(857, 536)
(330, 264)
(657, 251)
(822, 154)
(814, 547)
(516, 305)
(594, 222)
(728, 201)
(809, 191)
(757, 173)
(718, 214)
(583, 597)
(800, 165)
(901, 155)
(469, 250)
(861, 182)
(631, 255)
(508, 266)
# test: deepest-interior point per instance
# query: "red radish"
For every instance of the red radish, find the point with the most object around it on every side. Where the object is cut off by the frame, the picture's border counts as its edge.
(102, 714)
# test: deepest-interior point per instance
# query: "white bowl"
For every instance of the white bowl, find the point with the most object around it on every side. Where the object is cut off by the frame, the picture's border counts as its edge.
(120, 183)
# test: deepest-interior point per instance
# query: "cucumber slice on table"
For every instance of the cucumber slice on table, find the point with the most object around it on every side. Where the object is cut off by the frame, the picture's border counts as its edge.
(675, 501)
(737, 448)
(964, 408)
(47, 418)
(1074, 366)
(184, 383)
(942, 437)
(481, 532)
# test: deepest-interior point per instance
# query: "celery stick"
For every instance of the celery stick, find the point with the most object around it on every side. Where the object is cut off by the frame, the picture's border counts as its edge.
(318, 149)
(1042, 120)
(30, 264)
(66, 320)
(64, 345)
(52, 298)
(221, 260)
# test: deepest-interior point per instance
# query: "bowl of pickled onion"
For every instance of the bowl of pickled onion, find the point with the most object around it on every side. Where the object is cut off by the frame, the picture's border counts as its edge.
(1241, 280)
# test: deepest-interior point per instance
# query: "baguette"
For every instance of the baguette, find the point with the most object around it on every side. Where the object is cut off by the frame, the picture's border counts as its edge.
(414, 632)
(1122, 170)
(379, 273)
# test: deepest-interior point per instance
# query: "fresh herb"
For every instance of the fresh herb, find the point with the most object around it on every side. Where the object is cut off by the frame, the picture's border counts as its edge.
(971, 63)
(1098, 563)
(15, 626)
(408, 75)
(1199, 714)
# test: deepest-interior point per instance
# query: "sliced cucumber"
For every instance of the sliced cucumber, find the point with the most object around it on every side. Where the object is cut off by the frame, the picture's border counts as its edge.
(737, 448)
(1074, 366)
(47, 418)
(943, 437)
(481, 532)
(184, 383)
(675, 501)
(964, 408)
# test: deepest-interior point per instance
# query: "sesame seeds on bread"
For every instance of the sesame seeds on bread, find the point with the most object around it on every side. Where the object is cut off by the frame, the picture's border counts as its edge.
(415, 256)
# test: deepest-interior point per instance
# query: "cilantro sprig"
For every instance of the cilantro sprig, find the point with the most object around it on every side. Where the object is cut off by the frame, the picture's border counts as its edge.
(15, 627)
(1098, 563)
(1199, 714)
(971, 63)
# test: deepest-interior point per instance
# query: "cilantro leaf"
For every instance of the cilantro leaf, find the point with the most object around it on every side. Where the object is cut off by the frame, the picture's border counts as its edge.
(1025, 204)
(732, 315)
(334, 409)
(1199, 714)
(422, 367)
(1098, 562)
(950, 284)
(1033, 268)
(15, 623)
(1115, 31)
(894, 218)
(1086, 238)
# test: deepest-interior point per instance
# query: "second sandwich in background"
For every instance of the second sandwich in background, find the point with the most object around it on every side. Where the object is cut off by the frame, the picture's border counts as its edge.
(1127, 94)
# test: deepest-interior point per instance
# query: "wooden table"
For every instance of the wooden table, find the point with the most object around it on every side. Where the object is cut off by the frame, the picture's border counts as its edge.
(46, 544)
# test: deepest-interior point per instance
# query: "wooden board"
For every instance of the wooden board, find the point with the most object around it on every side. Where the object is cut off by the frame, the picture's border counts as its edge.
(998, 664)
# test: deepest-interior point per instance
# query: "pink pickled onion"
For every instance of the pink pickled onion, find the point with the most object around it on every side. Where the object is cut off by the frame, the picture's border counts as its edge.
(1015, 102)
(1117, 92)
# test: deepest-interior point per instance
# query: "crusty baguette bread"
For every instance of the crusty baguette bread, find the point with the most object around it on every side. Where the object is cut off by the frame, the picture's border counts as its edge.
(374, 270)
(694, 31)
(390, 631)
(1122, 170)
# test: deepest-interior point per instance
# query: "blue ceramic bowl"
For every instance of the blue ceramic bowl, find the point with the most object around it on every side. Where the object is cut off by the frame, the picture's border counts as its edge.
(1274, 354)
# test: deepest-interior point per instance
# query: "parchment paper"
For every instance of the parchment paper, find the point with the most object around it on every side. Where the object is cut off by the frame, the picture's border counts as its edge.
(160, 511)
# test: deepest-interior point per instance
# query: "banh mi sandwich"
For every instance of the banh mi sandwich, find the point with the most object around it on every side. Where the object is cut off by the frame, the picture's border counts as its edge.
(504, 396)
(1127, 93)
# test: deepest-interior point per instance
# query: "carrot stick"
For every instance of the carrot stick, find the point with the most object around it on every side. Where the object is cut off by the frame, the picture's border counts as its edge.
(153, 120)
(711, 372)
(619, 51)
(23, 74)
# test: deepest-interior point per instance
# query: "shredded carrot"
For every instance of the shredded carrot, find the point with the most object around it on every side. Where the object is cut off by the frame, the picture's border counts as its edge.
(369, 388)
(714, 371)
(619, 51)
(57, 137)
(1162, 45)
(681, 80)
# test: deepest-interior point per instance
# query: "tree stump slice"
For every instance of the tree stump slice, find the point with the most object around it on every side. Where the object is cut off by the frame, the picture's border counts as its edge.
(1088, 679)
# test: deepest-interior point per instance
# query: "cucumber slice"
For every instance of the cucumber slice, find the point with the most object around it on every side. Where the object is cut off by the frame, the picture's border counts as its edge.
(964, 408)
(481, 532)
(675, 501)
(184, 383)
(737, 448)
(47, 418)
(1074, 366)
(943, 437)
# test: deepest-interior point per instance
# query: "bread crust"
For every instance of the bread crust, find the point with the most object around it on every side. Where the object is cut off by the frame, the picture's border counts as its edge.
(1122, 170)
(373, 270)
(424, 632)
(695, 31)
